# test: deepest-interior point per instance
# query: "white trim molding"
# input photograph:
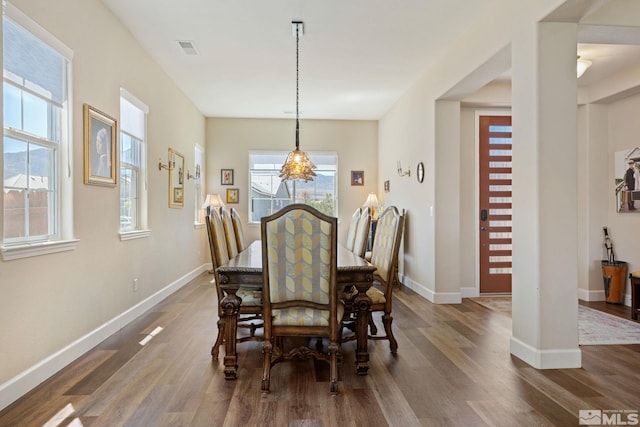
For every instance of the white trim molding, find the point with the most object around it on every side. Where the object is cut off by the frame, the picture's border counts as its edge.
(546, 359)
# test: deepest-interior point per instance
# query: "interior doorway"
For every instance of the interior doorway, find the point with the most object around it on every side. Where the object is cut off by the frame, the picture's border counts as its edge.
(495, 204)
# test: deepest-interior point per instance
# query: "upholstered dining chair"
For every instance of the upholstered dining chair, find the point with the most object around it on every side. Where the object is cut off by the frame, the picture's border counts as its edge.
(299, 267)
(353, 227)
(251, 306)
(362, 233)
(229, 232)
(237, 227)
(384, 256)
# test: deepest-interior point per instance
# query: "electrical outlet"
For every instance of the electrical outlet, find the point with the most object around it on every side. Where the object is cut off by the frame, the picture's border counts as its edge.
(135, 285)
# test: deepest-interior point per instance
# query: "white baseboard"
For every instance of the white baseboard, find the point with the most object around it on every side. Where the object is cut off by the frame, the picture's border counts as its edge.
(469, 292)
(585, 295)
(429, 295)
(22, 383)
(546, 359)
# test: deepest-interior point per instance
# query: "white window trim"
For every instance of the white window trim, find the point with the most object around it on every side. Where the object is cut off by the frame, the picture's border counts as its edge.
(65, 241)
(10, 253)
(256, 224)
(144, 231)
(134, 234)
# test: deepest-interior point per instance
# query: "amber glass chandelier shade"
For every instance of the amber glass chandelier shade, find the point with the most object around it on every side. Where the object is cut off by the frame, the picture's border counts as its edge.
(297, 166)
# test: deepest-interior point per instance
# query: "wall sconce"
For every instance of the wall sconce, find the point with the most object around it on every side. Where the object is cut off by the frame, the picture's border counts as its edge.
(402, 172)
(169, 166)
(196, 176)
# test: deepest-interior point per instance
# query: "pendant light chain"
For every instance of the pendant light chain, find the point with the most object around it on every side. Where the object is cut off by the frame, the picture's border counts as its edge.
(297, 85)
(298, 165)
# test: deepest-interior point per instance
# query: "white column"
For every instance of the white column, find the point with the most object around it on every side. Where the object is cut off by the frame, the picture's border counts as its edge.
(545, 304)
(447, 221)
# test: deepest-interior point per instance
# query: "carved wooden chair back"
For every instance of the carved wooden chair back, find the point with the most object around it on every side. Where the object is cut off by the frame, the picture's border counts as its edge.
(384, 255)
(237, 227)
(251, 306)
(299, 267)
(362, 233)
(353, 227)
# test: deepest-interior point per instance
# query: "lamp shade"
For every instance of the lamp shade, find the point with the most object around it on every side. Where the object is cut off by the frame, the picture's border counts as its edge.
(372, 203)
(212, 200)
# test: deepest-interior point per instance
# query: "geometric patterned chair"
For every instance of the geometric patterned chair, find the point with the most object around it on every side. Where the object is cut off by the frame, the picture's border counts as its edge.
(353, 227)
(251, 305)
(362, 233)
(237, 227)
(384, 255)
(299, 267)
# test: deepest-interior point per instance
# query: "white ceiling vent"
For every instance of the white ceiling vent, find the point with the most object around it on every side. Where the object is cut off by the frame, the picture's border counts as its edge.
(188, 47)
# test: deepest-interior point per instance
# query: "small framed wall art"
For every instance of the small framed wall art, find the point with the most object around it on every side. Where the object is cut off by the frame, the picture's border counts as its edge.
(233, 195)
(100, 147)
(226, 176)
(357, 177)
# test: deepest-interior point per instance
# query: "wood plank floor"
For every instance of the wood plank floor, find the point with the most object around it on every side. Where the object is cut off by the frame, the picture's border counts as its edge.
(453, 369)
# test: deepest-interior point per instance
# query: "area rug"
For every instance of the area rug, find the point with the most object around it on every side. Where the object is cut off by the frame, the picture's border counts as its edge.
(594, 327)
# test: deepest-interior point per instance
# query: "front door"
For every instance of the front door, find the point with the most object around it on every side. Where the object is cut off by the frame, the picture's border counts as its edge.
(495, 204)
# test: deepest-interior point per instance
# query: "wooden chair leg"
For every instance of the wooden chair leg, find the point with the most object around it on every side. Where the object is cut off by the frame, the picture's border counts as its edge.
(386, 321)
(215, 350)
(372, 325)
(333, 363)
(267, 349)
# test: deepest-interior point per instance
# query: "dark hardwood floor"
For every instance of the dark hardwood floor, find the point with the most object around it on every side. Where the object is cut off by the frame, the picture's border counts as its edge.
(453, 368)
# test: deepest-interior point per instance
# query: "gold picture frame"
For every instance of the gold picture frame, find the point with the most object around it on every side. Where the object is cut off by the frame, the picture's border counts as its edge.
(233, 195)
(176, 179)
(100, 147)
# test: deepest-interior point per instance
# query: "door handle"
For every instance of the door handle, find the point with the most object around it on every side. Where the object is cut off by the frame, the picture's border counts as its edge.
(483, 215)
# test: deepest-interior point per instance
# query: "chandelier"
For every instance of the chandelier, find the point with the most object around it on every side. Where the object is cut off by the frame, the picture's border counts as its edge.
(298, 164)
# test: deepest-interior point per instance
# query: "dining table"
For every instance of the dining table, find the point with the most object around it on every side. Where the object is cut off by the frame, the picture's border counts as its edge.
(245, 269)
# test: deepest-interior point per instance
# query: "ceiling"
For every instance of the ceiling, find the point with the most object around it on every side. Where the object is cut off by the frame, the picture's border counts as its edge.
(357, 57)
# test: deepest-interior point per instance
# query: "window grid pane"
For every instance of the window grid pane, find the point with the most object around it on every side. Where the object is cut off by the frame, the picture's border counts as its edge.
(130, 172)
(269, 194)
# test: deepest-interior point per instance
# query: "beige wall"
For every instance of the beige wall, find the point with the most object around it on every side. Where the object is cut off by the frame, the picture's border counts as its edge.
(623, 130)
(420, 126)
(356, 142)
(48, 302)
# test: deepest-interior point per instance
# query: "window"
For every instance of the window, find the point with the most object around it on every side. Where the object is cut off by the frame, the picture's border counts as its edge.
(133, 173)
(269, 194)
(37, 199)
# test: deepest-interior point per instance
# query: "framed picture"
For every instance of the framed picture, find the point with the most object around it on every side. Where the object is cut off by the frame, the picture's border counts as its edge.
(626, 186)
(100, 147)
(232, 195)
(226, 176)
(357, 177)
(176, 179)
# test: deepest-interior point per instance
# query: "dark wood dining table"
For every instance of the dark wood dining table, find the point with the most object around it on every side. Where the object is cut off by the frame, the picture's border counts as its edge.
(246, 270)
